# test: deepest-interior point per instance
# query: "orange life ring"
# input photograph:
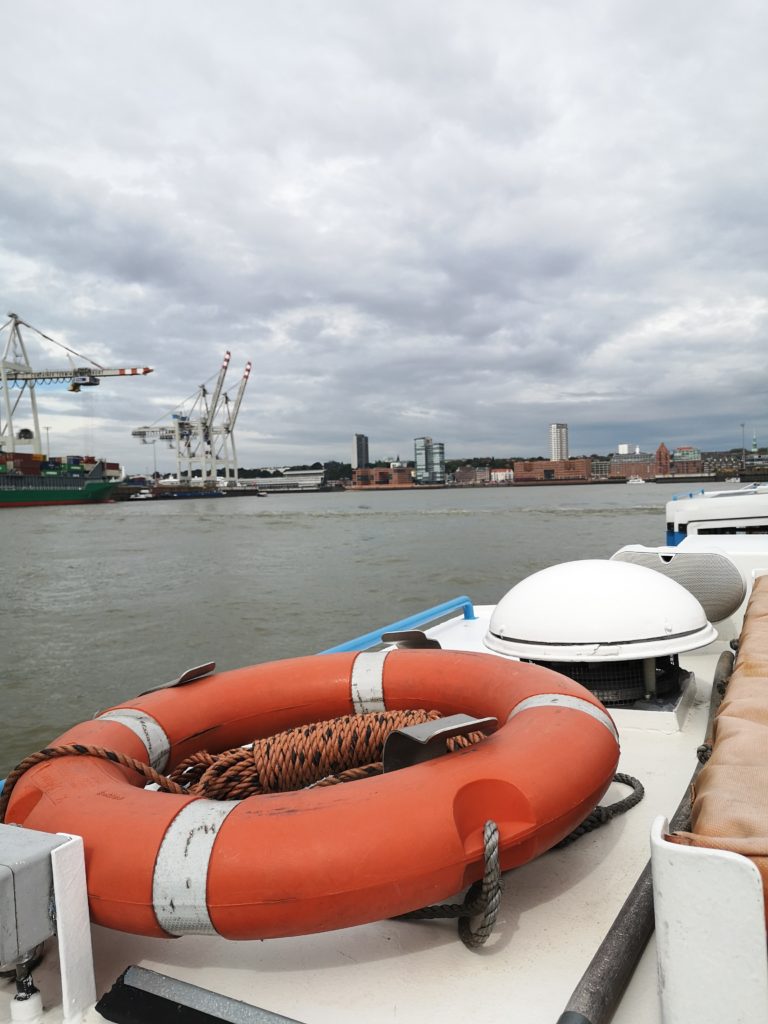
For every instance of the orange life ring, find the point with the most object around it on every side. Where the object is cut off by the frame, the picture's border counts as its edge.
(318, 859)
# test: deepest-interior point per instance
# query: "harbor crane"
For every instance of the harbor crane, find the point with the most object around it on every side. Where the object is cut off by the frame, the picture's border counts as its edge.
(203, 437)
(19, 382)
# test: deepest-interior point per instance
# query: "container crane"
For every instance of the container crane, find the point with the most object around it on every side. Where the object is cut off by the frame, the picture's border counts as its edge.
(211, 407)
(17, 375)
(203, 437)
(231, 413)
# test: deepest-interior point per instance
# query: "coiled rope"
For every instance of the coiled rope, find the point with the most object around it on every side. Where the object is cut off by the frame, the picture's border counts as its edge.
(320, 754)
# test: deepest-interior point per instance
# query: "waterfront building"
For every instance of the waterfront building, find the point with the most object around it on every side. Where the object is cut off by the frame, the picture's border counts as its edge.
(430, 461)
(477, 476)
(663, 460)
(686, 453)
(686, 460)
(360, 458)
(541, 470)
(633, 463)
(293, 480)
(558, 442)
(725, 463)
(396, 475)
(465, 476)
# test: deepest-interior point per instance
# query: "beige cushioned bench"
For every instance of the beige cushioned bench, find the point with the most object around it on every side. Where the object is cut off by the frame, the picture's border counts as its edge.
(730, 804)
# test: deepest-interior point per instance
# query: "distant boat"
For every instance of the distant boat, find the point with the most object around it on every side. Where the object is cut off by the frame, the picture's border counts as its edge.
(636, 480)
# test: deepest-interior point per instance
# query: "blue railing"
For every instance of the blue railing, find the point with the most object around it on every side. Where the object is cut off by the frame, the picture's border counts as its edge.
(362, 643)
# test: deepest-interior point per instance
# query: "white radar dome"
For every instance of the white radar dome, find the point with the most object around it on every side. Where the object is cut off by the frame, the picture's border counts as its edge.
(595, 610)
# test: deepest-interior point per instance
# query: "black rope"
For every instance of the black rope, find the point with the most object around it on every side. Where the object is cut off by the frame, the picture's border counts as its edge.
(602, 815)
(704, 752)
(482, 898)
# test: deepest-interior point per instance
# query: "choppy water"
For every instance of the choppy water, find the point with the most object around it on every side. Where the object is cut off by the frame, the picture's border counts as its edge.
(99, 603)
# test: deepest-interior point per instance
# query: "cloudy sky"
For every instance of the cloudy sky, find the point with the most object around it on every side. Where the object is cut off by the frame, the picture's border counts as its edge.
(459, 218)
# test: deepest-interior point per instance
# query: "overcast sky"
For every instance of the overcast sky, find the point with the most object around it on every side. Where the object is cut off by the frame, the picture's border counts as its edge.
(460, 219)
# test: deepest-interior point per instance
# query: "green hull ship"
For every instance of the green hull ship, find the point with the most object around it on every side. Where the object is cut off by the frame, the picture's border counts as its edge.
(33, 491)
(65, 487)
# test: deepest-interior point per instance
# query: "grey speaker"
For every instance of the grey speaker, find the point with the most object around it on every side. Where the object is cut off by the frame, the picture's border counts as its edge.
(711, 577)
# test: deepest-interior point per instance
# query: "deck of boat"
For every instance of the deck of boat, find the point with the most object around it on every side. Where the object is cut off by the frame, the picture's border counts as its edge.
(555, 912)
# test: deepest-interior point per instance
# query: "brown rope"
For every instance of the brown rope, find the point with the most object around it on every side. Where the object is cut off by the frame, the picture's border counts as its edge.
(322, 753)
(297, 757)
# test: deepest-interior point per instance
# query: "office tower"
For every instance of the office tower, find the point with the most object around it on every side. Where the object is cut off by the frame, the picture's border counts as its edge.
(558, 441)
(430, 461)
(360, 451)
(438, 462)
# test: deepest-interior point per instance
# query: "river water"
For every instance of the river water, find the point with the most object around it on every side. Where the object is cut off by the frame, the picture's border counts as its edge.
(102, 602)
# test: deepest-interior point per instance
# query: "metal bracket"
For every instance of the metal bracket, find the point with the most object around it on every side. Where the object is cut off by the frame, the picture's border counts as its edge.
(411, 640)
(417, 743)
(190, 676)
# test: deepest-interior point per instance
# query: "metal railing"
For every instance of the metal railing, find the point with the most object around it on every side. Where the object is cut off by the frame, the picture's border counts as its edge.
(367, 640)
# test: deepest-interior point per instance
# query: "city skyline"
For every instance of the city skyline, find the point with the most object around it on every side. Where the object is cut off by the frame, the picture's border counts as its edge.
(558, 447)
(617, 452)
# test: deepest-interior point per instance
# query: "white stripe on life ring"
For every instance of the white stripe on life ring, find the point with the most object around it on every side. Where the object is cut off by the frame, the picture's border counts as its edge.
(149, 731)
(367, 682)
(563, 700)
(181, 870)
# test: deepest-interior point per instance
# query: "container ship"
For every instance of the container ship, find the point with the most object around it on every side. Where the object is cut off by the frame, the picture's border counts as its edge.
(32, 479)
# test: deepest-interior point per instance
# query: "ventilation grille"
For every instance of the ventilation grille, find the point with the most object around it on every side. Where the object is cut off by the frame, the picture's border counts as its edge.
(619, 683)
(713, 579)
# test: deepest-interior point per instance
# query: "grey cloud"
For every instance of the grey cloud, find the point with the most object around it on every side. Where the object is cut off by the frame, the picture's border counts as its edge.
(418, 218)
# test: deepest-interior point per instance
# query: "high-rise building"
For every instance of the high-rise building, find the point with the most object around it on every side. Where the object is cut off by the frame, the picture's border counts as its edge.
(360, 451)
(438, 462)
(430, 461)
(558, 441)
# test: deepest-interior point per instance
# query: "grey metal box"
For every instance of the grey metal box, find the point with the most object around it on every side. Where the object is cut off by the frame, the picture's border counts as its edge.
(27, 915)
